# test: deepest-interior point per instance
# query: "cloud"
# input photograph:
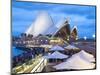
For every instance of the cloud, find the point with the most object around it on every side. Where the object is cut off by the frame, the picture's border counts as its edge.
(21, 14)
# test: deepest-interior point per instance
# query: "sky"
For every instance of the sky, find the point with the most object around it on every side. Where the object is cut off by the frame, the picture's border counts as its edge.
(25, 13)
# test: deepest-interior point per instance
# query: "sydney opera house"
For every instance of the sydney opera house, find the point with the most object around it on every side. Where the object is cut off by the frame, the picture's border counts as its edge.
(44, 23)
(49, 50)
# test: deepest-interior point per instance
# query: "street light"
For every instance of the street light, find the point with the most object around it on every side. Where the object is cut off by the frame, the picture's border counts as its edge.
(85, 37)
(46, 40)
(93, 35)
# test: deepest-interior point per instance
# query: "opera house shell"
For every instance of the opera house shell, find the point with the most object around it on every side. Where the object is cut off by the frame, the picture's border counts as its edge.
(74, 33)
(63, 32)
(42, 23)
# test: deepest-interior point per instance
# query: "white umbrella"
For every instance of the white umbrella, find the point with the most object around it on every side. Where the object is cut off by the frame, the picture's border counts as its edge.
(57, 55)
(57, 48)
(84, 55)
(71, 47)
(75, 63)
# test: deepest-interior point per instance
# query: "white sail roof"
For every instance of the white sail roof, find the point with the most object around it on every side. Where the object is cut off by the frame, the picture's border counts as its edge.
(57, 55)
(41, 24)
(56, 48)
(71, 47)
(75, 63)
(86, 56)
(75, 27)
(60, 23)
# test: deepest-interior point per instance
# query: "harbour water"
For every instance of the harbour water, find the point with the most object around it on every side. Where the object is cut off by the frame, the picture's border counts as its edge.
(16, 52)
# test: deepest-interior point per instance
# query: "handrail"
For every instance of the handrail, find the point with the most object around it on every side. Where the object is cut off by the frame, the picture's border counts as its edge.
(21, 67)
(39, 65)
